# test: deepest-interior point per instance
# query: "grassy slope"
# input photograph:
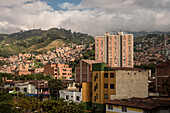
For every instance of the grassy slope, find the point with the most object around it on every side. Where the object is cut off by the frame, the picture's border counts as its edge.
(45, 46)
(39, 40)
(55, 44)
(11, 49)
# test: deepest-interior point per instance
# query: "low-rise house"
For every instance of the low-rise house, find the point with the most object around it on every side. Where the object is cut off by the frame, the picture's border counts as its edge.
(30, 87)
(72, 92)
(22, 72)
(138, 105)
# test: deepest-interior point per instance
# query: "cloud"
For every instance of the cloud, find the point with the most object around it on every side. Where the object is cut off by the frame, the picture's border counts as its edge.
(67, 6)
(90, 16)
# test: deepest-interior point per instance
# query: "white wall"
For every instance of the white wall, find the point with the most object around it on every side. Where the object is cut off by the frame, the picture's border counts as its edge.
(72, 95)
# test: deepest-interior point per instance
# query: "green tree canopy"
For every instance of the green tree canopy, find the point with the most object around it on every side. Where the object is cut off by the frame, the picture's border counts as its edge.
(55, 85)
(6, 103)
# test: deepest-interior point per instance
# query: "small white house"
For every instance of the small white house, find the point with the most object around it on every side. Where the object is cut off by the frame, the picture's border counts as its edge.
(72, 92)
(71, 95)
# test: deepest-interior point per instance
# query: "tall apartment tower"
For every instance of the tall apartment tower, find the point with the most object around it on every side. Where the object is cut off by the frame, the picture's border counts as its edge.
(115, 50)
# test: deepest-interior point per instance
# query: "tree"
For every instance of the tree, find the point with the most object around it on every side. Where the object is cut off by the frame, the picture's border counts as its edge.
(55, 85)
(6, 103)
(73, 64)
(62, 106)
(26, 103)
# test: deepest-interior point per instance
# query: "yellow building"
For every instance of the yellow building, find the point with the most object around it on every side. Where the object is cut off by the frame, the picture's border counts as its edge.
(113, 83)
(120, 109)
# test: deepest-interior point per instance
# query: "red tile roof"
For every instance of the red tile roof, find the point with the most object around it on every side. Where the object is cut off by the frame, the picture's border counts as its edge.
(141, 103)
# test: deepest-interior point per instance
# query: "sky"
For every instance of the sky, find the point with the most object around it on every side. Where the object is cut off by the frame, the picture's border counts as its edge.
(94, 17)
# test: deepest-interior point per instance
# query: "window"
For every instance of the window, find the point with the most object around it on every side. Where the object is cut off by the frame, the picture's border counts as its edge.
(112, 75)
(94, 98)
(110, 107)
(96, 76)
(25, 89)
(17, 89)
(96, 87)
(105, 85)
(105, 96)
(129, 49)
(112, 86)
(129, 62)
(105, 75)
(77, 98)
(67, 97)
(124, 108)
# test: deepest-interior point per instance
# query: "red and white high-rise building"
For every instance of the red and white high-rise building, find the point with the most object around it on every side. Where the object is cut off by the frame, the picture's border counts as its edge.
(115, 50)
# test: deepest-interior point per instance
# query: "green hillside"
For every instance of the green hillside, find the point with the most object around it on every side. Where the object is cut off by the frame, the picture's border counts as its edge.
(39, 41)
(150, 41)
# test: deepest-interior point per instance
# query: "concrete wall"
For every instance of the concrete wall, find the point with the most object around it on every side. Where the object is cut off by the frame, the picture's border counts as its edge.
(131, 84)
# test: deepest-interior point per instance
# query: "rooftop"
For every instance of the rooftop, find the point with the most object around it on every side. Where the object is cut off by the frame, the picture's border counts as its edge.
(91, 61)
(143, 103)
(125, 68)
(164, 64)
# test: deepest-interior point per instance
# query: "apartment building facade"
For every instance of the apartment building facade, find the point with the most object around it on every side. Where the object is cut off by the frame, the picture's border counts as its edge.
(84, 70)
(109, 83)
(59, 71)
(115, 50)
